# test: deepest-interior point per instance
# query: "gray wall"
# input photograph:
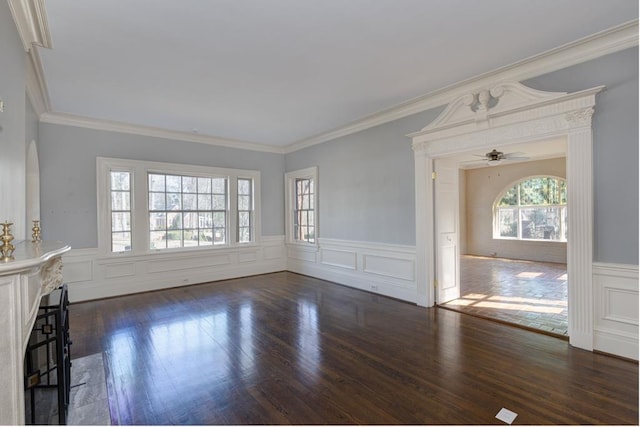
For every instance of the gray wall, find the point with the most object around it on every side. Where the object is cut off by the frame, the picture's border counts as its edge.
(366, 190)
(12, 125)
(615, 148)
(68, 154)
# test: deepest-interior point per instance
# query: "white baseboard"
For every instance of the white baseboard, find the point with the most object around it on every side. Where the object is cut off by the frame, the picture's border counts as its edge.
(616, 309)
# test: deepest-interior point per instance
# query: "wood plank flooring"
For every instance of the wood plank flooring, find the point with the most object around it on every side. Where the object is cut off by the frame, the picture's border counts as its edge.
(289, 349)
(528, 293)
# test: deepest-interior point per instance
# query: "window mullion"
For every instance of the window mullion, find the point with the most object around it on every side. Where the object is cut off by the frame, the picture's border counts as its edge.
(139, 216)
(232, 210)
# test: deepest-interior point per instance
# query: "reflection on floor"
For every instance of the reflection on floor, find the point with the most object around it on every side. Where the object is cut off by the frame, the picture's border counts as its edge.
(530, 294)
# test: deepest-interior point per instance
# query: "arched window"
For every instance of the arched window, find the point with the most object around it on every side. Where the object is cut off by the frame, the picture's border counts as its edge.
(532, 209)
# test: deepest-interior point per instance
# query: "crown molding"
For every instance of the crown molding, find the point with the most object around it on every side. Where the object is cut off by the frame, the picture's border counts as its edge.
(36, 85)
(615, 39)
(113, 126)
(30, 17)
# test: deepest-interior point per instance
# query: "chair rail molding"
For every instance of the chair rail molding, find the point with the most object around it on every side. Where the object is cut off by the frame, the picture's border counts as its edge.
(507, 113)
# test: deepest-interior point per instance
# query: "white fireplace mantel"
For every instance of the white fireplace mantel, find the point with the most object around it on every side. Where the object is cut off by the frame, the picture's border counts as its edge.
(36, 270)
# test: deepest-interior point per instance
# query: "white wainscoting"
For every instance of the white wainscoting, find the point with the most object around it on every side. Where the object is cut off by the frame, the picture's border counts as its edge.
(91, 276)
(616, 309)
(375, 267)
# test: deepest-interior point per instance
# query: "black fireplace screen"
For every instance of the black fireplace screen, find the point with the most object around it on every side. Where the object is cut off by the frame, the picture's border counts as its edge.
(47, 363)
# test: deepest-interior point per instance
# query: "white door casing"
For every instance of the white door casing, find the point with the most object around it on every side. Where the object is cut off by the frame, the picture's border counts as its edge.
(510, 113)
(447, 230)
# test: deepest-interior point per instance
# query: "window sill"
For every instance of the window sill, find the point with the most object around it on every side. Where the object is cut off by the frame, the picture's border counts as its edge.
(176, 253)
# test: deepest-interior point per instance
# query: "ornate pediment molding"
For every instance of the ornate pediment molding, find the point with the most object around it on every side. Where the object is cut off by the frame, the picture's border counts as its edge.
(480, 105)
(506, 113)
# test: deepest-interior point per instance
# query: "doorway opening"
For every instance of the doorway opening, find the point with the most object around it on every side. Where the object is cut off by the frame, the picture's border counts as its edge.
(512, 235)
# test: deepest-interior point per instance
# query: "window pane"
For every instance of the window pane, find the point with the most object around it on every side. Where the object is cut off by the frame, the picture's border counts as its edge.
(157, 201)
(158, 240)
(120, 221)
(120, 181)
(157, 221)
(120, 242)
(219, 202)
(243, 186)
(120, 201)
(540, 223)
(204, 202)
(174, 239)
(219, 219)
(204, 185)
(510, 198)
(219, 185)
(174, 201)
(190, 202)
(244, 235)
(243, 219)
(508, 222)
(174, 220)
(205, 220)
(190, 238)
(244, 203)
(156, 182)
(310, 236)
(219, 236)
(206, 237)
(189, 184)
(190, 220)
(174, 183)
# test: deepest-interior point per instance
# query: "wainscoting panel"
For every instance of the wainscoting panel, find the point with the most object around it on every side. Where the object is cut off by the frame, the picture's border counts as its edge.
(339, 258)
(616, 309)
(380, 268)
(90, 275)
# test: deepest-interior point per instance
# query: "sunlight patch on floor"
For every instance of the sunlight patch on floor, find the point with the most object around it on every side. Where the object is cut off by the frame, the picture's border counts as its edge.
(528, 300)
(518, 307)
(528, 275)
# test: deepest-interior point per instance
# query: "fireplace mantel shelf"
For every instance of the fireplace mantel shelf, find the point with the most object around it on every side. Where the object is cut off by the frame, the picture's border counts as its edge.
(28, 255)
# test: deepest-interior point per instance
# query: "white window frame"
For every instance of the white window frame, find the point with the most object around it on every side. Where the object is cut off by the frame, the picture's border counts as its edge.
(289, 185)
(496, 212)
(139, 170)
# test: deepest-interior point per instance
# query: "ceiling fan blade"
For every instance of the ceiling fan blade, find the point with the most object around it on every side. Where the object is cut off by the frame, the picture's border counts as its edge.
(473, 161)
(516, 158)
(516, 154)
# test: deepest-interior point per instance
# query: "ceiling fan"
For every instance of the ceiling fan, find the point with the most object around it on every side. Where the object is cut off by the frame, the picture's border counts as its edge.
(495, 157)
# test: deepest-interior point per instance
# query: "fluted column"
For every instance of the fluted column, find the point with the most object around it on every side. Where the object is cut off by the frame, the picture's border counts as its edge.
(580, 235)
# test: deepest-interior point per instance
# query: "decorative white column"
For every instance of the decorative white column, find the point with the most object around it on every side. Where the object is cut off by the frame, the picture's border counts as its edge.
(579, 243)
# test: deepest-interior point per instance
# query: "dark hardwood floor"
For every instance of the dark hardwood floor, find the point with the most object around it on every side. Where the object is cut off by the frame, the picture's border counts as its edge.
(288, 349)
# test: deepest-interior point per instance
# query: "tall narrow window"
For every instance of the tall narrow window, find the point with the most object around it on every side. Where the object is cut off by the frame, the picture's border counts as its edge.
(186, 211)
(120, 187)
(301, 200)
(304, 213)
(245, 210)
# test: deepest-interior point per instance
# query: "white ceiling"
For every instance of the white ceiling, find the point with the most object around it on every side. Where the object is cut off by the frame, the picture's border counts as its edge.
(279, 71)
